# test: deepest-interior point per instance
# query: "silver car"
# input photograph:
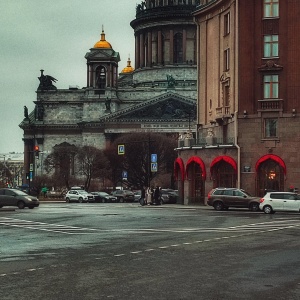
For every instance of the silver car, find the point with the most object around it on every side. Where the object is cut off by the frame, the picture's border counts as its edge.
(15, 197)
(79, 196)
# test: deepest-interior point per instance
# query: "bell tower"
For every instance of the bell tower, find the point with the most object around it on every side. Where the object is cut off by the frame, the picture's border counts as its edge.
(102, 68)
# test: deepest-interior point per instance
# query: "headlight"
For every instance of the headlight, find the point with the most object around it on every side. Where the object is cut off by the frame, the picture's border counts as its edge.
(29, 199)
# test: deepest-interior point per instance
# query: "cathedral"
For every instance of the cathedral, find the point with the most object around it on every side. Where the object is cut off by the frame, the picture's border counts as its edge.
(158, 94)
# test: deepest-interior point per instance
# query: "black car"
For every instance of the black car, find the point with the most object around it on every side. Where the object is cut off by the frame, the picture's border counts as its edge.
(103, 197)
(123, 195)
(168, 196)
(15, 197)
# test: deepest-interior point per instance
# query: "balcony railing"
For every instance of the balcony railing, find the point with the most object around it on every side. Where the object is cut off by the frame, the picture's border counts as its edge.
(222, 111)
(270, 104)
(202, 142)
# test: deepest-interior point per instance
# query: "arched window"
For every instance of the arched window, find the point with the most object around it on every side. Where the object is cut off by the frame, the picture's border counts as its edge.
(101, 78)
(178, 51)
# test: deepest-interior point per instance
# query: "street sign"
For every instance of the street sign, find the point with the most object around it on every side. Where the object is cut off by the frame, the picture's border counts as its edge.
(124, 175)
(121, 149)
(154, 167)
(153, 158)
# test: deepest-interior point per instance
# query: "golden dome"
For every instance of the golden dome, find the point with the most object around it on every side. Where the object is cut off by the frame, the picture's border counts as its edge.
(102, 43)
(129, 68)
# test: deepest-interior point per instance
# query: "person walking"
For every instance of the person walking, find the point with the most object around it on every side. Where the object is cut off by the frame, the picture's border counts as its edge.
(149, 196)
(156, 195)
(143, 196)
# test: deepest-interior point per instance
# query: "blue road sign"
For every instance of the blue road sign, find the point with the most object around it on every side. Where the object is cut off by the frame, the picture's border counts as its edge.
(121, 149)
(154, 167)
(153, 158)
(124, 175)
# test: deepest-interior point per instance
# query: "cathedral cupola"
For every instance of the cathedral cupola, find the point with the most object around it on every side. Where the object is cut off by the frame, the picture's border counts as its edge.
(102, 66)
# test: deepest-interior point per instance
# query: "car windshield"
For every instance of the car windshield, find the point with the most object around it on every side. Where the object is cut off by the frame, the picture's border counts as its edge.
(20, 193)
(246, 193)
(103, 194)
(82, 192)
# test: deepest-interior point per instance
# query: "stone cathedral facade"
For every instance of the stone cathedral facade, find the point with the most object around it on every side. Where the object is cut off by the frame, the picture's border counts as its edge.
(158, 94)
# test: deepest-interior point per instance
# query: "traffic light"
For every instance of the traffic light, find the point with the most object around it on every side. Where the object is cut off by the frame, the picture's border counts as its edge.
(36, 151)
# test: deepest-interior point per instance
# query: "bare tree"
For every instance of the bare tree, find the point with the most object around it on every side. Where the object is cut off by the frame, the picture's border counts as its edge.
(92, 164)
(62, 162)
(137, 158)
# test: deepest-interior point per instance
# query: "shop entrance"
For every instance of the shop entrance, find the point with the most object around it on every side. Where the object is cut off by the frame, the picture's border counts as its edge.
(270, 177)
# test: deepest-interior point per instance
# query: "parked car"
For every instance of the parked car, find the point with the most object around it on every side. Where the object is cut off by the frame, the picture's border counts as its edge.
(79, 196)
(280, 201)
(123, 195)
(223, 198)
(103, 197)
(137, 196)
(15, 197)
(168, 196)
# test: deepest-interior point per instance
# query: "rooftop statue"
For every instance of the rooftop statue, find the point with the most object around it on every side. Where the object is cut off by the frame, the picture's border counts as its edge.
(46, 82)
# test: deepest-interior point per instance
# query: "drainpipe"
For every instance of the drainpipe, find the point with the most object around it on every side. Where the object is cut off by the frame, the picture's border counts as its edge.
(238, 149)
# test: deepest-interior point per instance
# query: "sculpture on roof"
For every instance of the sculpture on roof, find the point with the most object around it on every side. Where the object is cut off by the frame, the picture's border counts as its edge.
(26, 116)
(171, 81)
(46, 82)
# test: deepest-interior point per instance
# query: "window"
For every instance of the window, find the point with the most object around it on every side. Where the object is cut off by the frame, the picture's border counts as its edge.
(270, 128)
(271, 8)
(226, 24)
(271, 86)
(226, 59)
(228, 192)
(271, 46)
(178, 51)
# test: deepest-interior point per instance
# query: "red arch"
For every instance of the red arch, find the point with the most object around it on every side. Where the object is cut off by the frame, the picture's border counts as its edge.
(227, 159)
(198, 161)
(179, 163)
(273, 157)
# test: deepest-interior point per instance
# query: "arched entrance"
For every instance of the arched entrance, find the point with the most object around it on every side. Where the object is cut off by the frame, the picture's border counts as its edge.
(270, 170)
(196, 175)
(179, 176)
(223, 171)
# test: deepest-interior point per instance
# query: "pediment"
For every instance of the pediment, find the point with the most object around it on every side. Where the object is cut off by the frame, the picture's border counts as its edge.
(168, 107)
(100, 54)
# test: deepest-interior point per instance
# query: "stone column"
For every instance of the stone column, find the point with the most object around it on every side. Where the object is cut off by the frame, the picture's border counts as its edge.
(171, 56)
(184, 45)
(159, 47)
(142, 51)
(149, 52)
(137, 52)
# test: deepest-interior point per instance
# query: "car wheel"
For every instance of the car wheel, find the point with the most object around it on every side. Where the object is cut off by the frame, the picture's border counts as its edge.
(121, 200)
(80, 200)
(268, 209)
(67, 200)
(254, 207)
(31, 207)
(1, 206)
(218, 206)
(21, 204)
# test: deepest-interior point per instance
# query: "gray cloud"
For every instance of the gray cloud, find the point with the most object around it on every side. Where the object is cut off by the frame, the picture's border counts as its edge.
(54, 36)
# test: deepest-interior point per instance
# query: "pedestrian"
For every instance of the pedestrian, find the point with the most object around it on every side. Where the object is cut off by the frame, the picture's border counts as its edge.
(148, 196)
(44, 191)
(143, 196)
(156, 195)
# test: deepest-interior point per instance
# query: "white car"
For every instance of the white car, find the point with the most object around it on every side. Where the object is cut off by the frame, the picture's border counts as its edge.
(79, 196)
(280, 201)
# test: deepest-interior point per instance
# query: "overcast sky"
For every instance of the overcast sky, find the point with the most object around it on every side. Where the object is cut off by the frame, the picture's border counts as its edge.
(54, 36)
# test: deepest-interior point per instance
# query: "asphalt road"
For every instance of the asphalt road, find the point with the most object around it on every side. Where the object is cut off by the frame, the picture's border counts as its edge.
(125, 251)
